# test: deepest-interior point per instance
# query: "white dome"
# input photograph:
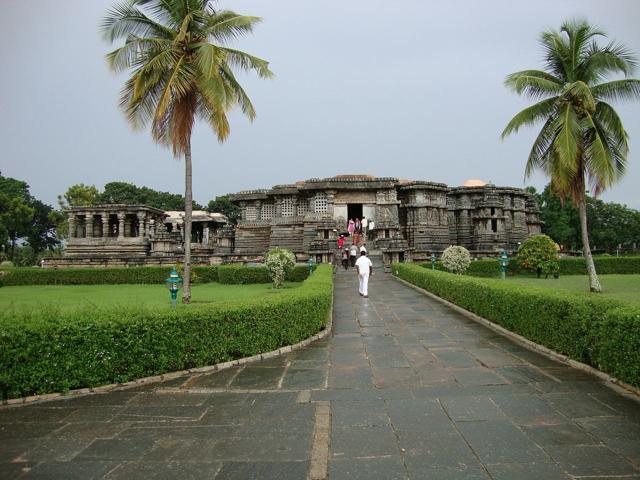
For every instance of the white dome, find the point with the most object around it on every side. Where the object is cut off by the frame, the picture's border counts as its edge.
(474, 182)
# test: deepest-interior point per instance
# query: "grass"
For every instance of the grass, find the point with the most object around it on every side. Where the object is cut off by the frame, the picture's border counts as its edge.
(624, 288)
(67, 297)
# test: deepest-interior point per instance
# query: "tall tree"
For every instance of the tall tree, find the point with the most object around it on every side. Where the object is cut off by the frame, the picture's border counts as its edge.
(182, 70)
(582, 143)
(79, 195)
(128, 193)
(24, 218)
(223, 204)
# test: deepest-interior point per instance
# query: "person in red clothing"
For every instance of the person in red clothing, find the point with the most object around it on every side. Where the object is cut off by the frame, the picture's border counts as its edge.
(341, 242)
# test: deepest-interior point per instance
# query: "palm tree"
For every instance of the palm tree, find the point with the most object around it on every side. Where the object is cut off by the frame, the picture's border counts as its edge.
(182, 70)
(582, 143)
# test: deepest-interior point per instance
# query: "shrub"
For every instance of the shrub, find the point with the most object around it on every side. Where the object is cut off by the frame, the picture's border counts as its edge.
(48, 350)
(456, 259)
(539, 253)
(587, 328)
(241, 274)
(279, 262)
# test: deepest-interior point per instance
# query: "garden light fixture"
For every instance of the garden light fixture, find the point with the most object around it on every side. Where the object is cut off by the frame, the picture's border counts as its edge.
(504, 262)
(173, 283)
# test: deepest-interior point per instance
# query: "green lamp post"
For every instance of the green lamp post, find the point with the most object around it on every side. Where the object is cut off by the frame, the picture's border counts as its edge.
(173, 283)
(504, 263)
(310, 265)
(433, 261)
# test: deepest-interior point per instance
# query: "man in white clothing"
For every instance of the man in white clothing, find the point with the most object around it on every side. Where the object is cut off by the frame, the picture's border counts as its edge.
(364, 267)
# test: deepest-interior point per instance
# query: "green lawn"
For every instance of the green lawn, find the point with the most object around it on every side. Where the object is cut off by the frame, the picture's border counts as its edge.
(625, 288)
(74, 296)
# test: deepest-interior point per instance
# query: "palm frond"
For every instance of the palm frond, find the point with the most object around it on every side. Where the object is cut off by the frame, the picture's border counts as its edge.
(133, 52)
(557, 55)
(608, 119)
(566, 142)
(245, 62)
(597, 156)
(534, 83)
(530, 116)
(579, 32)
(625, 89)
(238, 92)
(617, 151)
(541, 151)
(125, 19)
(226, 26)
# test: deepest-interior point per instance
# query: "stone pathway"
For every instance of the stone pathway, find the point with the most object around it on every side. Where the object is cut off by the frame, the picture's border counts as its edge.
(405, 388)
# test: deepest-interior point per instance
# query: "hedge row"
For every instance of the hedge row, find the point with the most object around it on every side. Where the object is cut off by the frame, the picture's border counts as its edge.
(600, 332)
(240, 274)
(140, 275)
(47, 350)
(489, 268)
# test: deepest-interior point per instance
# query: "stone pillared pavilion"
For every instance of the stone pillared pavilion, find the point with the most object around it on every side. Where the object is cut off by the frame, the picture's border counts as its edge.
(407, 221)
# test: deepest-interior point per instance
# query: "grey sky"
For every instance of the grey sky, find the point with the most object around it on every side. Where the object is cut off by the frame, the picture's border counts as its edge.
(410, 89)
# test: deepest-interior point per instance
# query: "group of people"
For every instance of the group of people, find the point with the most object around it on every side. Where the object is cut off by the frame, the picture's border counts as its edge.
(358, 228)
(349, 254)
(363, 265)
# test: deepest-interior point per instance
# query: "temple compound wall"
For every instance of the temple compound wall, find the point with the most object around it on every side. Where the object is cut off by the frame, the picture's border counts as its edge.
(407, 221)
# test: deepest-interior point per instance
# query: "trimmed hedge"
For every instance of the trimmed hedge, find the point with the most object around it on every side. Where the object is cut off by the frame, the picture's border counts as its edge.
(236, 274)
(489, 268)
(47, 350)
(241, 274)
(600, 332)
(100, 276)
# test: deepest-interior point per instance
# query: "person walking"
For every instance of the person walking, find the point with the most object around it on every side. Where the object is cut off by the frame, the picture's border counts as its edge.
(364, 224)
(364, 268)
(351, 226)
(353, 253)
(341, 242)
(345, 258)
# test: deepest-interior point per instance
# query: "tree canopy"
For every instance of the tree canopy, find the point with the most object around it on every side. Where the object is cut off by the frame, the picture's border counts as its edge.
(24, 220)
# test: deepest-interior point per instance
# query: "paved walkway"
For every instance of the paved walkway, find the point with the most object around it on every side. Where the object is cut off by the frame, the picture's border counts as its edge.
(405, 388)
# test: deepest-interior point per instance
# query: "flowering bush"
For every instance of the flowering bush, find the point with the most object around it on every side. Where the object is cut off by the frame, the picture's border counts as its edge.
(279, 262)
(540, 254)
(456, 259)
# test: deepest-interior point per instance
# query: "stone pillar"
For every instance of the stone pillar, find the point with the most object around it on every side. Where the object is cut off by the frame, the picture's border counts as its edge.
(331, 195)
(141, 219)
(72, 225)
(278, 203)
(88, 225)
(105, 224)
(121, 217)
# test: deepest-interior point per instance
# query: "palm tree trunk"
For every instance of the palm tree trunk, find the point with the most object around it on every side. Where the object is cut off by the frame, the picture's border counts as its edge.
(594, 283)
(188, 206)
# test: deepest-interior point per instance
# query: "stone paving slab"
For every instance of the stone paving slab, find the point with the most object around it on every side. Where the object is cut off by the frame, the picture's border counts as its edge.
(406, 387)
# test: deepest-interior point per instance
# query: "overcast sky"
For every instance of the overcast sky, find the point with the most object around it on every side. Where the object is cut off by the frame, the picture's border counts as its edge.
(409, 88)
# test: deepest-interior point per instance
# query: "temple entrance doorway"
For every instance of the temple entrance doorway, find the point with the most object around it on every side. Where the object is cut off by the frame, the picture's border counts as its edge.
(354, 210)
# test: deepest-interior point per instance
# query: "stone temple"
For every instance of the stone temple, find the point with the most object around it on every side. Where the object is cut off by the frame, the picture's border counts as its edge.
(406, 221)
